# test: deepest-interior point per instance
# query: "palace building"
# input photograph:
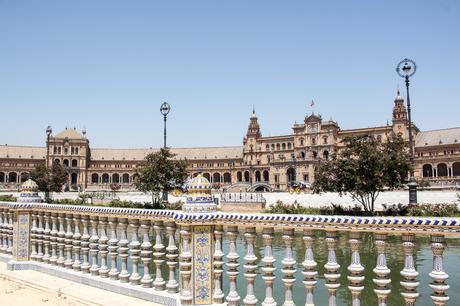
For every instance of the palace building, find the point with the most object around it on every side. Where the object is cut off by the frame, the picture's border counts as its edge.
(261, 163)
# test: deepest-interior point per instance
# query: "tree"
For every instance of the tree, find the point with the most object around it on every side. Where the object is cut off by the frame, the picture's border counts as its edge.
(160, 172)
(49, 179)
(364, 168)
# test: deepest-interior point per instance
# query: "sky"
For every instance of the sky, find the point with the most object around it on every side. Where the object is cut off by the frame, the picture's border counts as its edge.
(107, 66)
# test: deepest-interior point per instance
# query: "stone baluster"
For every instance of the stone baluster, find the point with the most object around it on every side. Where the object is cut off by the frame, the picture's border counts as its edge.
(53, 239)
(309, 265)
(232, 298)
(94, 246)
(33, 240)
(38, 235)
(355, 268)
(123, 250)
(2, 231)
(382, 281)
(10, 233)
(68, 242)
(172, 255)
(185, 266)
(61, 240)
(250, 266)
(218, 255)
(332, 274)
(76, 243)
(409, 284)
(146, 254)
(85, 244)
(268, 269)
(135, 251)
(113, 248)
(288, 266)
(439, 276)
(46, 238)
(159, 253)
(103, 246)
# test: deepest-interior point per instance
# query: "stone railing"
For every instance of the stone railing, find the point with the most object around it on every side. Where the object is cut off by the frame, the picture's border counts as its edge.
(113, 248)
(245, 197)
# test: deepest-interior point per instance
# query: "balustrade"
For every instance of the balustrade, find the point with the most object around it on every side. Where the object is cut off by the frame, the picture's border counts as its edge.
(95, 243)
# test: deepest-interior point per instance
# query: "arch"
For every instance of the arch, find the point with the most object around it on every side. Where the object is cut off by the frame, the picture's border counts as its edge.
(283, 146)
(266, 176)
(315, 154)
(258, 176)
(57, 161)
(115, 178)
(326, 154)
(456, 169)
(65, 163)
(216, 178)
(261, 187)
(427, 170)
(227, 178)
(74, 163)
(207, 176)
(273, 147)
(277, 146)
(2, 177)
(134, 177)
(94, 178)
(289, 145)
(441, 169)
(105, 178)
(267, 147)
(239, 176)
(290, 175)
(24, 177)
(125, 178)
(12, 177)
(301, 141)
(73, 178)
(246, 176)
(302, 154)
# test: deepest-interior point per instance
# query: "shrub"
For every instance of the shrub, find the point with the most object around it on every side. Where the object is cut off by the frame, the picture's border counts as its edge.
(7, 198)
(434, 210)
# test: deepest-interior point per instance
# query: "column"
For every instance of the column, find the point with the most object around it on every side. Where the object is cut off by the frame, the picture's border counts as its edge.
(10, 233)
(332, 268)
(135, 251)
(382, 282)
(76, 243)
(94, 246)
(53, 239)
(33, 240)
(309, 265)
(172, 255)
(123, 250)
(185, 266)
(288, 266)
(355, 268)
(68, 242)
(85, 245)
(60, 240)
(3, 232)
(103, 240)
(159, 283)
(38, 235)
(409, 283)
(218, 297)
(233, 298)
(439, 276)
(250, 266)
(146, 254)
(46, 238)
(268, 269)
(113, 248)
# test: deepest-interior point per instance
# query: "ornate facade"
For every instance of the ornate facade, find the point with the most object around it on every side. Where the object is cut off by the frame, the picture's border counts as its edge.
(261, 163)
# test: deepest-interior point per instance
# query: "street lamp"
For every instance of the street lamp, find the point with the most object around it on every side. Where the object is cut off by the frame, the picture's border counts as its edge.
(406, 69)
(165, 108)
(48, 134)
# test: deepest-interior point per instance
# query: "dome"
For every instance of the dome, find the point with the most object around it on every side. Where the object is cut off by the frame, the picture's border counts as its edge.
(199, 184)
(199, 198)
(29, 185)
(399, 97)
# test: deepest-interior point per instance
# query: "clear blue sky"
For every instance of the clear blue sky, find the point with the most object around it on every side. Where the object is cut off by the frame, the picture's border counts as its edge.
(108, 65)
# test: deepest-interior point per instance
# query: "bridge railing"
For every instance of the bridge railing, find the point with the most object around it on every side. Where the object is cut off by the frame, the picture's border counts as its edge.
(120, 245)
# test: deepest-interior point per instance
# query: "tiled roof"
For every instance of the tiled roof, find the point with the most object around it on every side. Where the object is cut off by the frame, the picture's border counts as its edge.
(69, 133)
(7, 151)
(438, 137)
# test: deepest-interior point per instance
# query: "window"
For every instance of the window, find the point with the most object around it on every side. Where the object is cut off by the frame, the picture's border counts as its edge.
(301, 141)
(325, 140)
(313, 141)
(289, 145)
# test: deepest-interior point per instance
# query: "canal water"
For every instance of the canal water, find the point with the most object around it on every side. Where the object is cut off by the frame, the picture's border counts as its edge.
(395, 262)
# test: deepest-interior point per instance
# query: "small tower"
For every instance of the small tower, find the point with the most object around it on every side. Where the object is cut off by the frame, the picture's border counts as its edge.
(253, 128)
(29, 192)
(400, 124)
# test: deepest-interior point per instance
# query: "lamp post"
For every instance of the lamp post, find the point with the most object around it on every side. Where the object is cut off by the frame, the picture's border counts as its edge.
(48, 134)
(406, 69)
(164, 110)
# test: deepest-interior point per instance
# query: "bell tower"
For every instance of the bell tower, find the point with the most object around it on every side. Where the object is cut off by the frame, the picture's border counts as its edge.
(400, 116)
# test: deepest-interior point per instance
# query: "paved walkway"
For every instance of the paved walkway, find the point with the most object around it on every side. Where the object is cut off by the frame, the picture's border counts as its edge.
(35, 288)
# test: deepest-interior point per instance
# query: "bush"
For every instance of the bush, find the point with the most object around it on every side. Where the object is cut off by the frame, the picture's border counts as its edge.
(434, 210)
(7, 198)
(395, 209)
(69, 202)
(146, 205)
